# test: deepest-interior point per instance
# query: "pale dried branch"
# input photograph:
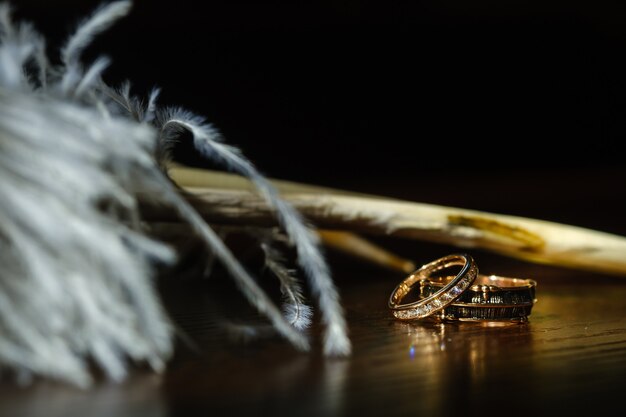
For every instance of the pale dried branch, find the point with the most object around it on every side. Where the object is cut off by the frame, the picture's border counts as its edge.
(361, 248)
(518, 237)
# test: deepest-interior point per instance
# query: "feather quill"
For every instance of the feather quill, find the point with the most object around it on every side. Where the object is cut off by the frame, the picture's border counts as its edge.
(97, 23)
(17, 45)
(294, 308)
(248, 286)
(208, 142)
(89, 28)
(91, 76)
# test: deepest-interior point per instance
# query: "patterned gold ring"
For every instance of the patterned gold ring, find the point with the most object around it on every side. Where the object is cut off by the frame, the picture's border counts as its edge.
(441, 298)
(490, 298)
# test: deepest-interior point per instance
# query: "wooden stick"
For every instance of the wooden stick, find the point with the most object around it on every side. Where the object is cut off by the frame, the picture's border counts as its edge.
(354, 245)
(518, 237)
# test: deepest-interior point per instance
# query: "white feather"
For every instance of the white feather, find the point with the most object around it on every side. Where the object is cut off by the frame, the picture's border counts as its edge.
(17, 44)
(248, 286)
(294, 308)
(208, 142)
(92, 75)
(149, 115)
(99, 21)
(88, 29)
(76, 282)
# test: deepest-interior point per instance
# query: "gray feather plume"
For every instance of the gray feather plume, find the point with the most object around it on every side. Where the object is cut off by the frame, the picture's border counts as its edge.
(77, 267)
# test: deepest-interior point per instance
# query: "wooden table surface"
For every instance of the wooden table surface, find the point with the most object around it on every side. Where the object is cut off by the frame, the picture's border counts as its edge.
(569, 359)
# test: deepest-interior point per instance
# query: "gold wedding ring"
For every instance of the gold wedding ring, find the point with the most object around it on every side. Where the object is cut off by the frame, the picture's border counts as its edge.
(443, 296)
(492, 298)
(466, 296)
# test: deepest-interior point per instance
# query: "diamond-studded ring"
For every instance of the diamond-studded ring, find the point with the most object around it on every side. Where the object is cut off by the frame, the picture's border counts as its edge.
(440, 299)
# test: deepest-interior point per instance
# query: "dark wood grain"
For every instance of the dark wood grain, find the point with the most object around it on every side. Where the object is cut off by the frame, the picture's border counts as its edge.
(570, 356)
(569, 359)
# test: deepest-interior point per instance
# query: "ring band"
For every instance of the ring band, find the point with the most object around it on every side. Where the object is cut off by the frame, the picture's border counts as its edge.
(490, 289)
(442, 297)
(465, 312)
(490, 298)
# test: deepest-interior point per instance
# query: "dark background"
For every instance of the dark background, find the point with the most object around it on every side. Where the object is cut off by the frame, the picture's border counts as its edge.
(404, 98)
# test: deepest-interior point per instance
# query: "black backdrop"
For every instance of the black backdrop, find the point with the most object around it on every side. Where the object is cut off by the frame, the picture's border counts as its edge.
(349, 93)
